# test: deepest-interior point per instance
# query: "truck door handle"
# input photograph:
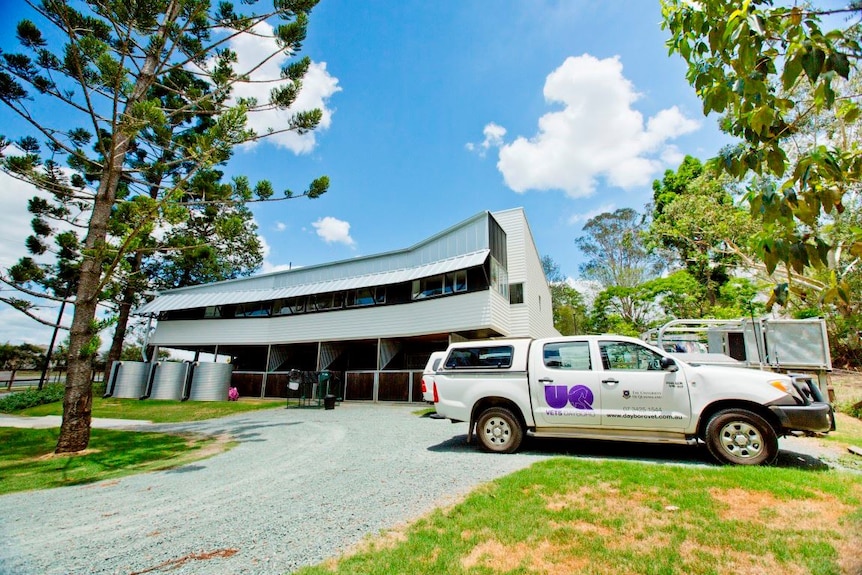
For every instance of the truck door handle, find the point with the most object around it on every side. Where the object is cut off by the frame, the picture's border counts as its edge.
(611, 380)
(546, 380)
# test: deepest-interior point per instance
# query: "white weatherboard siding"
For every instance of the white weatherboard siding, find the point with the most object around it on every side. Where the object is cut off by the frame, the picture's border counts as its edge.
(452, 313)
(501, 314)
(533, 318)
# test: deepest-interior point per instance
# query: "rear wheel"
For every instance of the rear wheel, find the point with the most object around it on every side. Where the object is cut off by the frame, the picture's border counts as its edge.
(741, 437)
(499, 430)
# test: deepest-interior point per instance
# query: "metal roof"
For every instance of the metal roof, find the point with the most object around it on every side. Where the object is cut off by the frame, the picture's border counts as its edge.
(197, 299)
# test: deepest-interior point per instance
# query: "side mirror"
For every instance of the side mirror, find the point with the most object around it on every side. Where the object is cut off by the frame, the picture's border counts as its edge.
(668, 364)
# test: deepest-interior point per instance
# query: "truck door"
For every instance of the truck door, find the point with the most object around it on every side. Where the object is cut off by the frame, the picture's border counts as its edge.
(637, 393)
(564, 385)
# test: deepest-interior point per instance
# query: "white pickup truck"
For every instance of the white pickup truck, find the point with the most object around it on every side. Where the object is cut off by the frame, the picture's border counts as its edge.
(616, 387)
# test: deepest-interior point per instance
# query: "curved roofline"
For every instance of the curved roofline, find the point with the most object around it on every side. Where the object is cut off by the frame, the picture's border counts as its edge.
(415, 247)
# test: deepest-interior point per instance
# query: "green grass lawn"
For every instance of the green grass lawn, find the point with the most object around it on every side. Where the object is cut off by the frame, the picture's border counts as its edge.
(160, 411)
(607, 517)
(27, 460)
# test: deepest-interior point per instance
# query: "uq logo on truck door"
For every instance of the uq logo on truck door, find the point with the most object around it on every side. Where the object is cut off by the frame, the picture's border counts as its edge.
(578, 396)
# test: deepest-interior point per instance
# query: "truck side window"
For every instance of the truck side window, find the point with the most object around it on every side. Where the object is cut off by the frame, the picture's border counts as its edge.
(497, 356)
(574, 355)
(624, 355)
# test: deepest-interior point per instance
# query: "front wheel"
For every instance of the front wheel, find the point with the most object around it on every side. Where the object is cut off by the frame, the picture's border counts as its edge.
(741, 437)
(499, 430)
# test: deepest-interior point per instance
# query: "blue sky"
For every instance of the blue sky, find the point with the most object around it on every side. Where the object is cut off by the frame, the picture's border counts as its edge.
(437, 110)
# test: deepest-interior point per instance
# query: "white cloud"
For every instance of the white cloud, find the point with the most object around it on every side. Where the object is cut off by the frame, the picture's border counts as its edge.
(493, 139)
(317, 87)
(597, 134)
(14, 219)
(333, 230)
(280, 226)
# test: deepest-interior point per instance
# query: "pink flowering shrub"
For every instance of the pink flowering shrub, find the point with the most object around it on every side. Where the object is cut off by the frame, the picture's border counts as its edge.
(233, 394)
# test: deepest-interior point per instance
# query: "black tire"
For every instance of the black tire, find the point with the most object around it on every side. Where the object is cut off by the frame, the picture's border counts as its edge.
(499, 430)
(741, 437)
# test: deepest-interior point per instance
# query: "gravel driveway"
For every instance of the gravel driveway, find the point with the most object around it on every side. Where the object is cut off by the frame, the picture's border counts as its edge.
(302, 486)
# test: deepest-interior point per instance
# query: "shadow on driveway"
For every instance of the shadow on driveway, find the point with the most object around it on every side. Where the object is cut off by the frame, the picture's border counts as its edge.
(629, 451)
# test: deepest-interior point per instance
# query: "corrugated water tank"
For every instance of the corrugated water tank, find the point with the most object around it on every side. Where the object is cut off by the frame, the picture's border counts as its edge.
(129, 379)
(210, 381)
(168, 379)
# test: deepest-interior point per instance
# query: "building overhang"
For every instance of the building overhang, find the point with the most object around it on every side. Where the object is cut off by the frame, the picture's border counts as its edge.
(192, 299)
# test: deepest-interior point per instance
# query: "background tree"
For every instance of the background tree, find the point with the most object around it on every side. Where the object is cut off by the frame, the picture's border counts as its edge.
(16, 357)
(769, 70)
(569, 311)
(696, 220)
(616, 251)
(108, 59)
(618, 259)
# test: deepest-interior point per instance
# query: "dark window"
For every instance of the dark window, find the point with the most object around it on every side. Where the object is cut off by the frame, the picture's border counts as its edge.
(255, 309)
(497, 242)
(366, 296)
(480, 357)
(516, 293)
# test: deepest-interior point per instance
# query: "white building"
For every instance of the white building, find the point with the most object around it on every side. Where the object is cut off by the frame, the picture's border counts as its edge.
(372, 321)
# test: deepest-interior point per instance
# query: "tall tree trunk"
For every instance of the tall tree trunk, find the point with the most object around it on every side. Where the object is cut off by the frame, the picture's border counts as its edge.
(11, 379)
(125, 310)
(78, 398)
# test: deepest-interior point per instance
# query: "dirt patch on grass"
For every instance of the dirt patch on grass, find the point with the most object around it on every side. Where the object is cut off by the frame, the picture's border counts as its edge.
(823, 513)
(643, 526)
(820, 513)
(544, 557)
(726, 560)
(52, 455)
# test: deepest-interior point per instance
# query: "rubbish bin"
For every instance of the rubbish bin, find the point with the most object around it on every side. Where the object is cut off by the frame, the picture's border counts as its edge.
(328, 402)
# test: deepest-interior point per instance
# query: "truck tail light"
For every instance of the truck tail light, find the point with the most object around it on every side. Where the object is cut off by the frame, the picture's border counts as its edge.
(424, 386)
(436, 397)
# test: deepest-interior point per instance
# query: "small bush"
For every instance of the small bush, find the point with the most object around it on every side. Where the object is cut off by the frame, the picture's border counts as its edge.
(851, 409)
(99, 388)
(13, 402)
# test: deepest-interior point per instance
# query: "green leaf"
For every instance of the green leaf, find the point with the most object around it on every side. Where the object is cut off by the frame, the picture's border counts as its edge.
(838, 62)
(812, 63)
(775, 159)
(849, 111)
(762, 118)
(791, 72)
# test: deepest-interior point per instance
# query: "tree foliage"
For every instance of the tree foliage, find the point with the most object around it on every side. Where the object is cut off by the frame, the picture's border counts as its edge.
(696, 221)
(768, 70)
(130, 110)
(567, 303)
(616, 251)
(16, 357)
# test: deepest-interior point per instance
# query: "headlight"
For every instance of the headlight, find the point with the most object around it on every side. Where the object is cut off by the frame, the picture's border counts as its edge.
(782, 385)
(787, 387)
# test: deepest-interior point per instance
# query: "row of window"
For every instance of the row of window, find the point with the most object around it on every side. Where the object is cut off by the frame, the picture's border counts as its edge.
(302, 304)
(569, 355)
(440, 285)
